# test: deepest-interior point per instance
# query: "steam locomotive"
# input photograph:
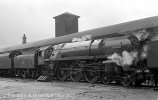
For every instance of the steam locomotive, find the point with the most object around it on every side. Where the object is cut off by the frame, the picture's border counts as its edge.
(123, 60)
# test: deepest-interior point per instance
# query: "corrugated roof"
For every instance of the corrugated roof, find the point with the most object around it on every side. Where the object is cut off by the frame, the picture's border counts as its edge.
(112, 30)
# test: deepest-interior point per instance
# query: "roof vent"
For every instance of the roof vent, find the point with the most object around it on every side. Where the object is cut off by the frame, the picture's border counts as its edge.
(24, 39)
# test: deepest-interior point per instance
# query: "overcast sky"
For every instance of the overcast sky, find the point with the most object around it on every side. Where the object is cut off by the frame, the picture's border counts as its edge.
(35, 17)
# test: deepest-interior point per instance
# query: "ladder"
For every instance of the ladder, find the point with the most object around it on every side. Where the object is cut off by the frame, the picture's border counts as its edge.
(45, 78)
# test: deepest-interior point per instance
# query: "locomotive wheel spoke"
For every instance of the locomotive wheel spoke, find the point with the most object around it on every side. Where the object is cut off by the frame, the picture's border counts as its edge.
(76, 72)
(91, 76)
(62, 74)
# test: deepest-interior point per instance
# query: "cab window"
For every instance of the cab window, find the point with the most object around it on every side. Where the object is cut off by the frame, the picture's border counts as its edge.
(41, 54)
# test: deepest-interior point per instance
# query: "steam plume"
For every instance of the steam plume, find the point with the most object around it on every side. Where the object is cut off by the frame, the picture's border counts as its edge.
(83, 38)
(144, 52)
(126, 58)
(142, 35)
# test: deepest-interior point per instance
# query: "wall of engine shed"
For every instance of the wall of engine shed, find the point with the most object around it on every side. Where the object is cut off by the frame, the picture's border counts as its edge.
(152, 54)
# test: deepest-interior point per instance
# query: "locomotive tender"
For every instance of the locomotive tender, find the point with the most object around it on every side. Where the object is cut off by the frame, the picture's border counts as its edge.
(116, 59)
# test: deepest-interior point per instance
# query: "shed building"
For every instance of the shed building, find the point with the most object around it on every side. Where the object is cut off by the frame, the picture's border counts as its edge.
(121, 29)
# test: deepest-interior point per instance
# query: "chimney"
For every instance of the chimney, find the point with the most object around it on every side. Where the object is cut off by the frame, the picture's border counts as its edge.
(24, 39)
(65, 24)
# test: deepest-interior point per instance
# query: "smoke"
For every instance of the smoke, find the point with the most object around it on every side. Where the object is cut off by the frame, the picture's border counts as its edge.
(116, 58)
(144, 52)
(86, 37)
(83, 38)
(142, 35)
(129, 58)
(126, 58)
(76, 39)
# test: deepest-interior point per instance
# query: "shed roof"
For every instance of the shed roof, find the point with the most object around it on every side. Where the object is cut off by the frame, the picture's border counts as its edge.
(107, 31)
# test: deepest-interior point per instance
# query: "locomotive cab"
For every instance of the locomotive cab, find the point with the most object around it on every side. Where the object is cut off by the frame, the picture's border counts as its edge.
(43, 53)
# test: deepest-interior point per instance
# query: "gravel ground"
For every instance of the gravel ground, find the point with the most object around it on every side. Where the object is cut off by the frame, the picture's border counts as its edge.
(29, 89)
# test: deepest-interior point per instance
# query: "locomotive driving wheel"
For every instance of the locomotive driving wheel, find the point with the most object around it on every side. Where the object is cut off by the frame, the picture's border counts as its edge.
(92, 75)
(76, 72)
(62, 73)
(126, 81)
(106, 79)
